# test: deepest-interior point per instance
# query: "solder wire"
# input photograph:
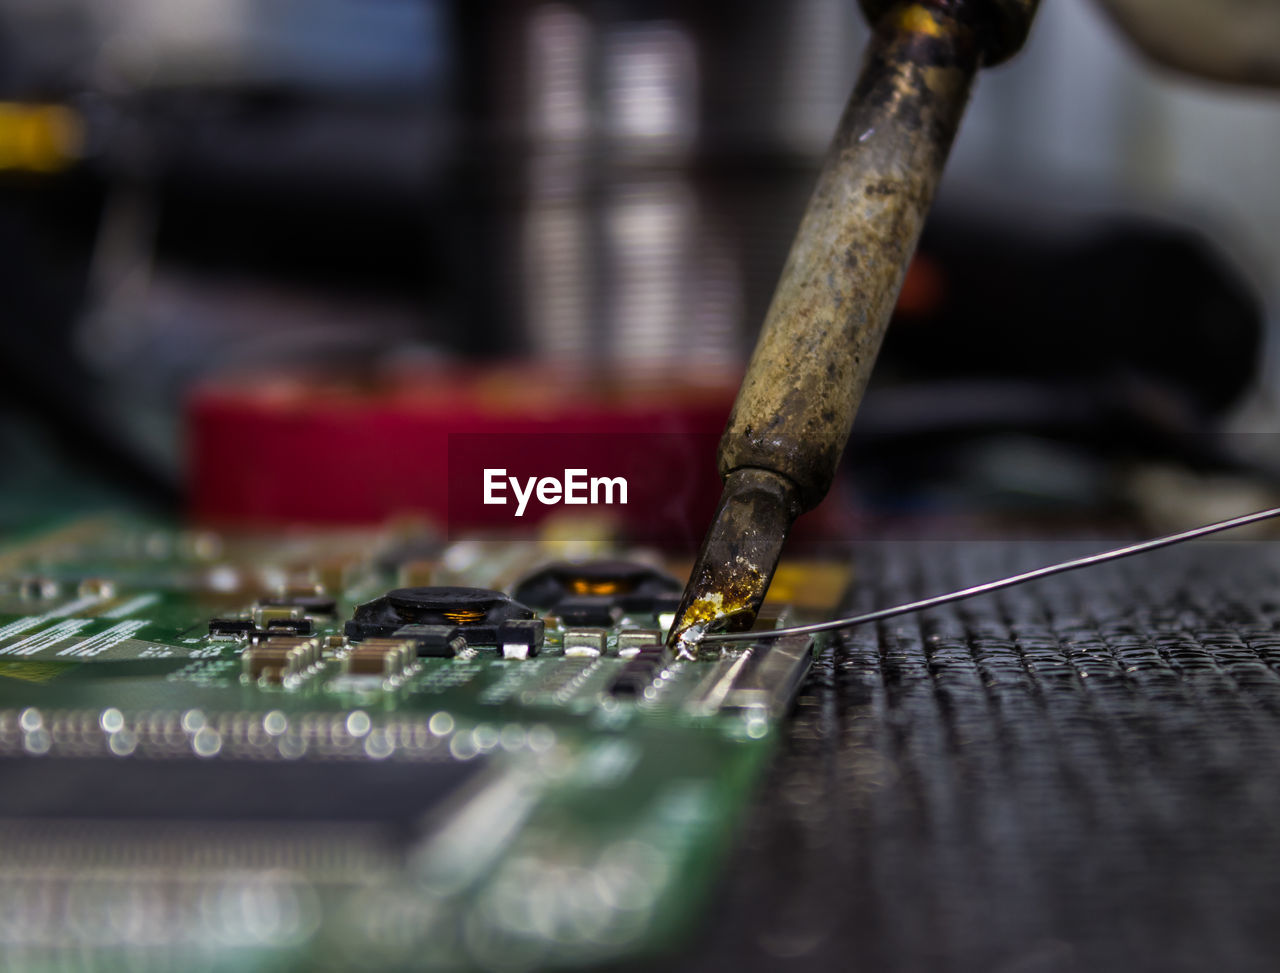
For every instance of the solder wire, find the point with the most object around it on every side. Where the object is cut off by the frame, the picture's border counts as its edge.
(1089, 560)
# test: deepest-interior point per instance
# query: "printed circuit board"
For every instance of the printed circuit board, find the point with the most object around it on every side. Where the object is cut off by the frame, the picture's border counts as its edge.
(366, 750)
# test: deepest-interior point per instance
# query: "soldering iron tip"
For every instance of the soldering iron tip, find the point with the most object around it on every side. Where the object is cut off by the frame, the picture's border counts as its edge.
(735, 565)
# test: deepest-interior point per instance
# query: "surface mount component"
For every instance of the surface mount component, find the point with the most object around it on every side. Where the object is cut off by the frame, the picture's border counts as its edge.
(584, 642)
(632, 641)
(184, 796)
(280, 659)
(388, 658)
(310, 604)
(35, 589)
(521, 638)
(434, 641)
(231, 628)
(280, 621)
(645, 663)
(595, 593)
(476, 613)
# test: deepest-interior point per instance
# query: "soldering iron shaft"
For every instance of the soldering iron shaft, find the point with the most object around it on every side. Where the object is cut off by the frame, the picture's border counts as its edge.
(823, 329)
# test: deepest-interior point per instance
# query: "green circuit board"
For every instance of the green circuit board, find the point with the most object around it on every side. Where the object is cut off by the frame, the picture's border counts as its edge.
(208, 761)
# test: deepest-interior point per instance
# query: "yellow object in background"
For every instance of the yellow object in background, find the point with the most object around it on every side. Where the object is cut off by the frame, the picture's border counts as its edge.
(39, 138)
(809, 585)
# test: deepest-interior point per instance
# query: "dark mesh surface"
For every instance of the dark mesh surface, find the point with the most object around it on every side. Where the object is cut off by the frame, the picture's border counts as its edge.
(1081, 773)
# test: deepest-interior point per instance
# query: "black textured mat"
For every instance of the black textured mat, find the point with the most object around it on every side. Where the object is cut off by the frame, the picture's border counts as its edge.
(1079, 774)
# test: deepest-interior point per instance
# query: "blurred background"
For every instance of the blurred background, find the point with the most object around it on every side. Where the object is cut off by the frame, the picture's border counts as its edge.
(253, 249)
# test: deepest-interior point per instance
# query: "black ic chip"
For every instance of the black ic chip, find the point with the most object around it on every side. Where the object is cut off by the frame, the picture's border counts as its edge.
(392, 795)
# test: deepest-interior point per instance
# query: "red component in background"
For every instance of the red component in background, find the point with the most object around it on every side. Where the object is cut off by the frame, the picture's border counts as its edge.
(318, 450)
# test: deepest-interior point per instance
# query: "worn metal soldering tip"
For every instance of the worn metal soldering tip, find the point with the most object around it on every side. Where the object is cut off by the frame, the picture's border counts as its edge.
(738, 555)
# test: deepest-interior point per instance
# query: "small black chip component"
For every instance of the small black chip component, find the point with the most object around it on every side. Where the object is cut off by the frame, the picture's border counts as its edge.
(521, 638)
(311, 604)
(597, 593)
(433, 641)
(393, 795)
(289, 626)
(668, 602)
(37, 589)
(476, 613)
(628, 684)
(230, 628)
(641, 670)
(590, 610)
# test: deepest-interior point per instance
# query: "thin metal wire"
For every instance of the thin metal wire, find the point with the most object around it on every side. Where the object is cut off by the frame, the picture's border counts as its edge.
(981, 589)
